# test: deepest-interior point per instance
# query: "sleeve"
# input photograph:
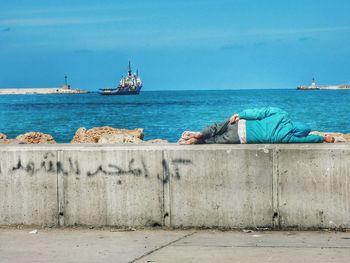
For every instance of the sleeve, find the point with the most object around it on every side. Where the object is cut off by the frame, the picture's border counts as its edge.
(214, 129)
(308, 139)
(259, 114)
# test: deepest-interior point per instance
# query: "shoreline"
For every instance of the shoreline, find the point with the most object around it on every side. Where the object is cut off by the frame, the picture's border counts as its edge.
(109, 135)
(330, 87)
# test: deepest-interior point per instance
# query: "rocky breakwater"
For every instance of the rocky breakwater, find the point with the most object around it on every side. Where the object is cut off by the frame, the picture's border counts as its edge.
(101, 135)
(35, 138)
(28, 138)
(109, 135)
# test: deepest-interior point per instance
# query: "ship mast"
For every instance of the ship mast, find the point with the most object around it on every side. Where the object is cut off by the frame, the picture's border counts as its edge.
(129, 71)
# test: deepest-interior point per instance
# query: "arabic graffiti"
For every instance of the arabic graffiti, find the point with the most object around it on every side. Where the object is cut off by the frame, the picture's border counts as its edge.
(177, 163)
(50, 165)
(175, 166)
(47, 165)
(112, 169)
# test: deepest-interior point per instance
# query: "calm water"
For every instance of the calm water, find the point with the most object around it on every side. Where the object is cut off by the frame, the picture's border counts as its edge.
(165, 114)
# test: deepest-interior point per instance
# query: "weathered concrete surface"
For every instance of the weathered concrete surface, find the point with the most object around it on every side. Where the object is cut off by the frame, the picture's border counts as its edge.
(220, 187)
(304, 186)
(114, 187)
(314, 187)
(81, 245)
(289, 247)
(28, 194)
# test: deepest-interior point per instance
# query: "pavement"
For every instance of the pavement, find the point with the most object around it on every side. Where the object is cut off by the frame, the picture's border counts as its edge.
(156, 245)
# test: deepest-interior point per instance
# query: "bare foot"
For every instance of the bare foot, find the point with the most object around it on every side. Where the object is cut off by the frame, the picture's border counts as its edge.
(329, 139)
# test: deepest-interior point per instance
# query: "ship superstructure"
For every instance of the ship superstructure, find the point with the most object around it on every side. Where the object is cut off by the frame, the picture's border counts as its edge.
(128, 85)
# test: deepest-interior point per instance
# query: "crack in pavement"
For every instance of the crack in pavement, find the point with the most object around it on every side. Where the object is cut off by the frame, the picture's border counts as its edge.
(259, 246)
(159, 248)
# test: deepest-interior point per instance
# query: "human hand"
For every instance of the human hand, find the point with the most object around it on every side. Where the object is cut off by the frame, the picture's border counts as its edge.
(234, 118)
(189, 141)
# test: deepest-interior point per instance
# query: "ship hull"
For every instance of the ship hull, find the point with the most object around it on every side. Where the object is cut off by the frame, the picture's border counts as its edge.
(120, 91)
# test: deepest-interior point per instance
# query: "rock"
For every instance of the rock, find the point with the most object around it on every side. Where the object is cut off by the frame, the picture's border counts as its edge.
(93, 135)
(35, 138)
(118, 138)
(347, 137)
(3, 136)
(81, 137)
(157, 141)
(339, 137)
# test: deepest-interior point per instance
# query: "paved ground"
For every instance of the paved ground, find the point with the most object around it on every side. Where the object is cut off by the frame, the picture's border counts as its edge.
(111, 245)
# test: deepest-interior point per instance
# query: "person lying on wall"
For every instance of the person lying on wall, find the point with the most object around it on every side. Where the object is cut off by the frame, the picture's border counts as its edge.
(264, 125)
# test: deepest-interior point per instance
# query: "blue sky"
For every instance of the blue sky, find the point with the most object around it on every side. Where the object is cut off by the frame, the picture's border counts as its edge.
(178, 44)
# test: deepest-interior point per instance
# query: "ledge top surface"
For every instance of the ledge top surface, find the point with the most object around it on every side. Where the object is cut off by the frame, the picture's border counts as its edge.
(174, 146)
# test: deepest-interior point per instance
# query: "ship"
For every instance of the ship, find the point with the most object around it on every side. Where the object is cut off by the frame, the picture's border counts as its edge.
(129, 85)
(315, 86)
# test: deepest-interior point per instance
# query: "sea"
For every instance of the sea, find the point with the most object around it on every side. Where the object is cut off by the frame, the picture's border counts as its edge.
(166, 114)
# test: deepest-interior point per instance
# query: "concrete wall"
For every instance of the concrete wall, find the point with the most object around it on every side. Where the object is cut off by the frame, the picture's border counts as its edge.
(28, 195)
(314, 187)
(303, 186)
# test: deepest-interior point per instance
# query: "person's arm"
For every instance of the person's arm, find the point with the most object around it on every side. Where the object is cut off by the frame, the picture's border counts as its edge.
(259, 114)
(312, 138)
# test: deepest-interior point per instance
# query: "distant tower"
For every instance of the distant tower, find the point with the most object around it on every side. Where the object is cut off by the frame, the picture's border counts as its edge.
(313, 83)
(66, 86)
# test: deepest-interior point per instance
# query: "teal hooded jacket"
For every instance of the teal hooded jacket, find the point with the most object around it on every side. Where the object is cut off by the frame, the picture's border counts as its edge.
(273, 125)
